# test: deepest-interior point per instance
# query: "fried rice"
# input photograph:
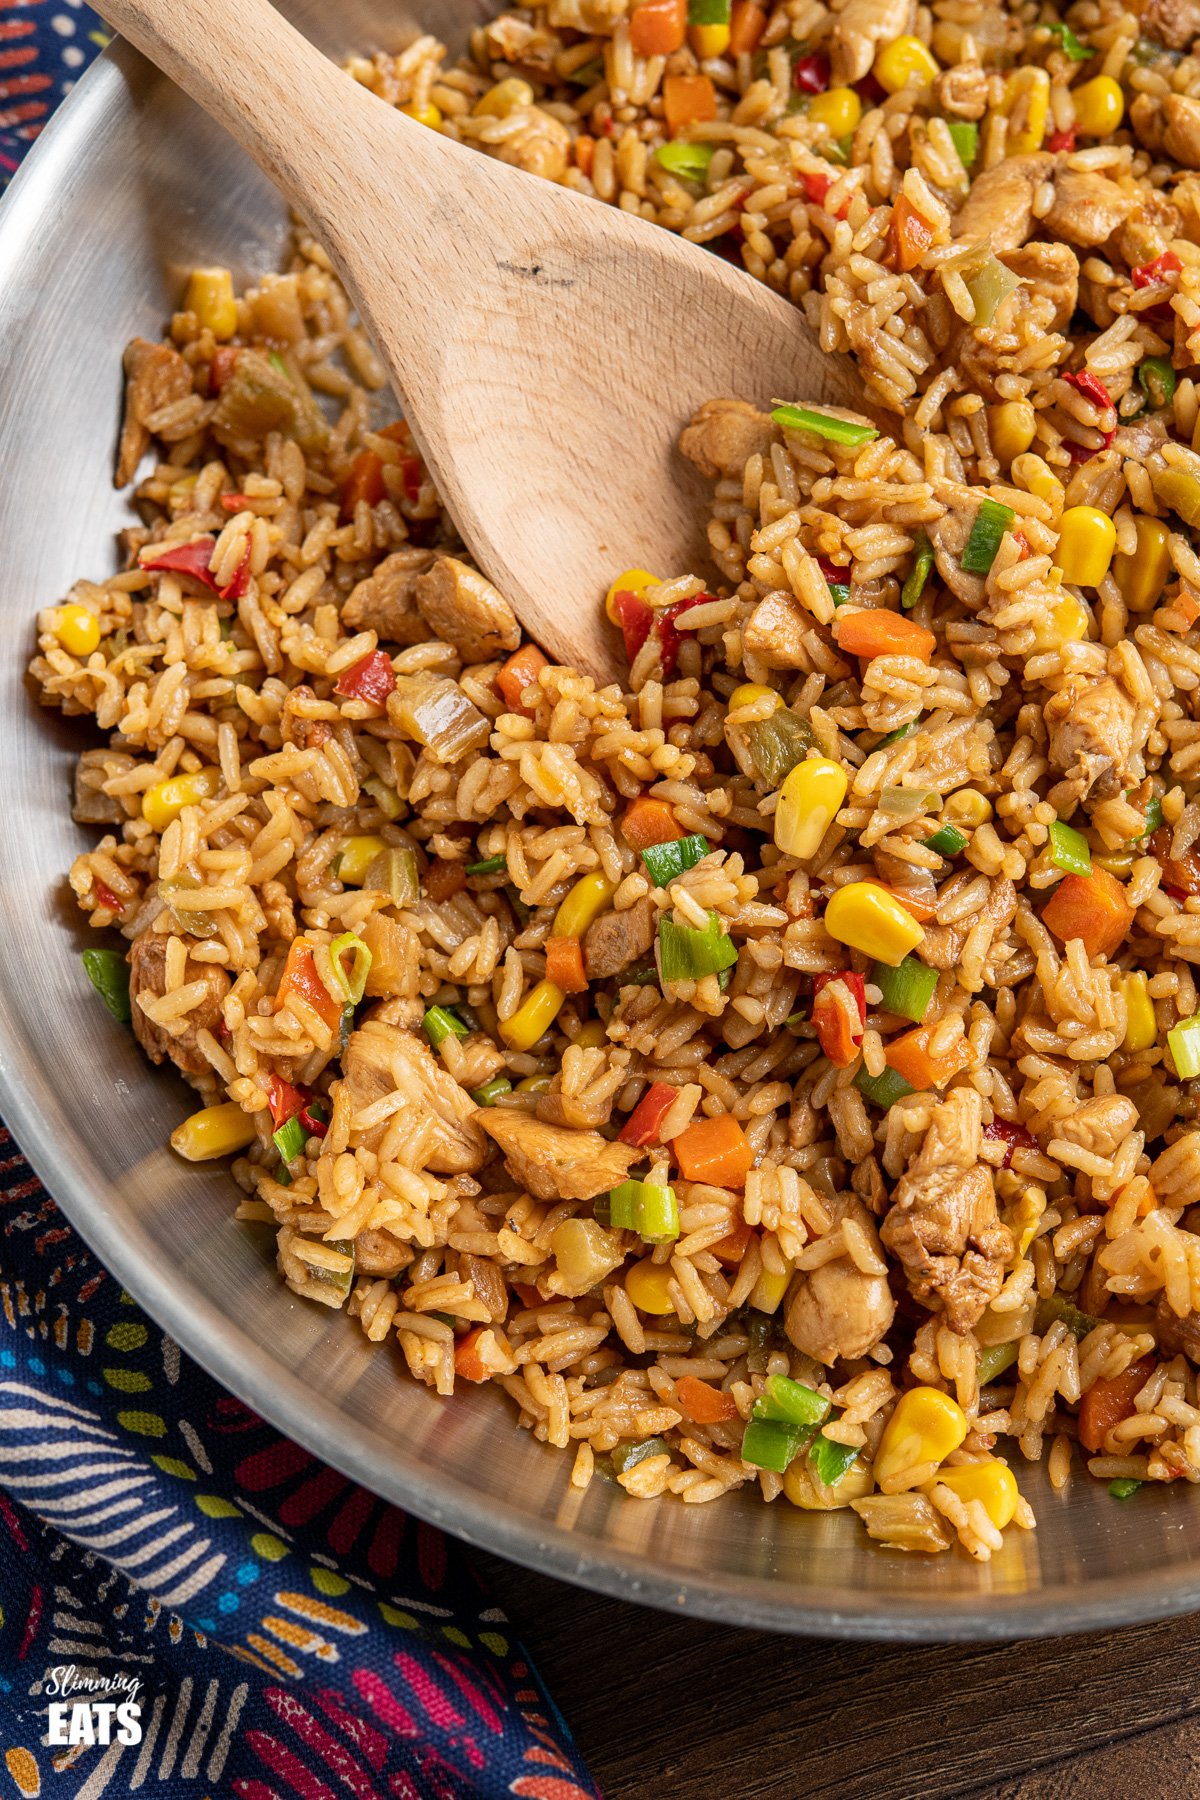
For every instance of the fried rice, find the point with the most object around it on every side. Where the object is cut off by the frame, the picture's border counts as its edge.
(781, 1069)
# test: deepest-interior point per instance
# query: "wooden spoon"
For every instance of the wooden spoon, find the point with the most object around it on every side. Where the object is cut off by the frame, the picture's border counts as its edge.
(546, 349)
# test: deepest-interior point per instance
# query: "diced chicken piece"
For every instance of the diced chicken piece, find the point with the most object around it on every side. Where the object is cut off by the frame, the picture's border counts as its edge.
(616, 939)
(1090, 721)
(1173, 23)
(1148, 230)
(488, 1283)
(724, 435)
(385, 602)
(1186, 197)
(775, 631)
(297, 722)
(943, 1225)
(92, 805)
(1139, 440)
(147, 981)
(838, 1309)
(528, 137)
(459, 605)
(962, 91)
(480, 1061)
(1087, 208)
(382, 1059)
(1051, 270)
(1169, 126)
(1176, 1336)
(530, 48)
(554, 1163)
(948, 536)
(379, 1253)
(860, 27)
(1099, 1126)
(1175, 1174)
(999, 207)
(942, 945)
(395, 957)
(155, 376)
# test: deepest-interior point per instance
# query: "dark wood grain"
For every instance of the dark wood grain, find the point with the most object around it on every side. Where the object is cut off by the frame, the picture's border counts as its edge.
(664, 1704)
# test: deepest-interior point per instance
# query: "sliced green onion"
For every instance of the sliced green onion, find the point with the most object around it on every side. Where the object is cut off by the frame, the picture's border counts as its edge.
(1069, 849)
(685, 954)
(690, 161)
(353, 981)
(1077, 51)
(665, 861)
(831, 1462)
(1123, 1486)
(628, 1456)
(1058, 1307)
(883, 1090)
(991, 522)
(839, 592)
(490, 1092)
(1184, 1042)
(1154, 818)
(965, 138)
(948, 841)
(641, 1206)
(491, 865)
(290, 1139)
(438, 1024)
(770, 1444)
(1146, 51)
(909, 803)
(341, 1279)
(587, 74)
(108, 973)
(906, 989)
(992, 1360)
(918, 575)
(901, 731)
(394, 872)
(709, 12)
(791, 1402)
(277, 363)
(1156, 378)
(838, 431)
(989, 288)
(838, 152)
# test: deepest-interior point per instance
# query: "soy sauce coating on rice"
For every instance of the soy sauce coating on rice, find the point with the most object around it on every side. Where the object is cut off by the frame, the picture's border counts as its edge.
(780, 1072)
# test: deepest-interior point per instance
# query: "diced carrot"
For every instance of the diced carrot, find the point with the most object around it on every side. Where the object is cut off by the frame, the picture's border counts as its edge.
(443, 879)
(910, 1056)
(528, 1295)
(732, 1248)
(649, 822)
(1092, 908)
(284, 1100)
(641, 1127)
(658, 27)
(585, 153)
(1181, 872)
(911, 234)
(300, 977)
(715, 1150)
(397, 432)
(840, 1022)
(221, 367)
(519, 672)
(564, 964)
(364, 482)
(706, 1404)
(688, 100)
(467, 1362)
(747, 22)
(1187, 606)
(1106, 1403)
(921, 910)
(877, 631)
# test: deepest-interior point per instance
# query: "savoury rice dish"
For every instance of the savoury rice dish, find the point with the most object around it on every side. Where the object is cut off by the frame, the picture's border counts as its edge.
(780, 1068)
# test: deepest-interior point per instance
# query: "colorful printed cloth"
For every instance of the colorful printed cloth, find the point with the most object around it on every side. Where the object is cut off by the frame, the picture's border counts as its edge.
(191, 1603)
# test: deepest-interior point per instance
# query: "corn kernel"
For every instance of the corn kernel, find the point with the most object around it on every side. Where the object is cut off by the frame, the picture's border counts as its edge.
(751, 692)
(1086, 541)
(165, 802)
(210, 297)
(803, 1490)
(869, 919)
(1063, 621)
(535, 1084)
(504, 98)
(534, 1017)
(807, 805)
(1027, 103)
(630, 581)
(592, 1036)
(429, 114)
(967, 807)
(839, 109)
(1141, 1026)
(903, 62)
(76, 628)
(1011, 427)
(646, 1284)
(357, 855)
(925, 1427)
(1099, 106)
(709, 40)
(591, 895)
(992, 1482)
(1037, 478)
(1142, 576)
(768, 1291)
(214, 1131)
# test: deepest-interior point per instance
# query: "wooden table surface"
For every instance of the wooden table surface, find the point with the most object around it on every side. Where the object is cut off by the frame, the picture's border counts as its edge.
(667, 1706)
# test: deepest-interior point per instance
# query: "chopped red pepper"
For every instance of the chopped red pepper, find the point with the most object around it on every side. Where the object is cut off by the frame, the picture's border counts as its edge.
(241, 578)
(314, 1125)
(1015, 1136)
(221, 367)
(816, 186)
(1152, 274)
(1182, 874)
(641, 1127)
(193, 559)
(1062, 140)
(637, 621)
(234, 503)
(1090, 386)
(869, 91)
(364, 482)
(284, 1100)
(834, 576)
(838, 1038)
(810, 74)
(372, 678)
(669, 638)
(105, 896)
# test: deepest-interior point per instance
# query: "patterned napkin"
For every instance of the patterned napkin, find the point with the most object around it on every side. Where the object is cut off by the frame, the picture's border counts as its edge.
(191, 1603)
